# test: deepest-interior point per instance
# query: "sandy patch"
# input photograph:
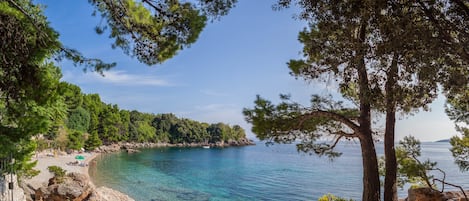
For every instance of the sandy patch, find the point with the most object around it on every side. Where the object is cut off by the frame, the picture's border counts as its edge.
(46, 159)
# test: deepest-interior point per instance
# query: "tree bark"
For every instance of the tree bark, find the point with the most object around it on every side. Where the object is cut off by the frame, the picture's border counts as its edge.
(371, 184)
(390, 179)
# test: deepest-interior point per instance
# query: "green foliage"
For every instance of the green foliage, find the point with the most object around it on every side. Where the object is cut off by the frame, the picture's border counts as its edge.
(75, 140)
(331, 197)
(93, 104)
(79, 119)
(153, 31)
(33, 100)
(410, 168)
(72, 95)
(288, 122)
(93, 141)
(23, 163)
(460, 149)
(145, 131)
(29, 100)
(42, 144)
(390, 57)
(110, 126)
(457, 108)
(58, 172)
(53, 131)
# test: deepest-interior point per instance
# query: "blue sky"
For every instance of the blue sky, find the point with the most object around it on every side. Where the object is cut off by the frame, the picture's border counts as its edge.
(243, 54)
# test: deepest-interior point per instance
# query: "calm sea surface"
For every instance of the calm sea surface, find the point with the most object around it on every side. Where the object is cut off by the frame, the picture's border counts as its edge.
(258, 172)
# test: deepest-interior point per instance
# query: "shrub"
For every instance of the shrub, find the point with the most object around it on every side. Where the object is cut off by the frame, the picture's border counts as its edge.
(58, 172)
(331, 197)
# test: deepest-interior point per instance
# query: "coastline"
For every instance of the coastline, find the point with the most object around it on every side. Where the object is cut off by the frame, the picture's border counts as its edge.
(70, 164)
(50, 158)
(46, 158)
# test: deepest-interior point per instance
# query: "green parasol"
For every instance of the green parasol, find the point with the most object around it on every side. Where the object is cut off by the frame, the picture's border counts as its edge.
(80, 157)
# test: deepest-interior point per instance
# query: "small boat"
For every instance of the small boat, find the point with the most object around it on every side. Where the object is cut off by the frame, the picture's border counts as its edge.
(206, 147)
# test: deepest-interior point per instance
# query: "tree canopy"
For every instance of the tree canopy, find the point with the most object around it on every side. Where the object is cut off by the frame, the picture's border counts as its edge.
(150, 30)
(29, 100)
(32, 99)
(385, 56)
(94, 123)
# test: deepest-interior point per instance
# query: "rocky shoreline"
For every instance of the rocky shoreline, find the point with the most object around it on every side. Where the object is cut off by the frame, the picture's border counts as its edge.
(427, 194)
(132, 147)
(77, 186)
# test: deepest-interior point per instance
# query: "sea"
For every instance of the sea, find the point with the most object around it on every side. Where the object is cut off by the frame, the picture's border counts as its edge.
(260, 172)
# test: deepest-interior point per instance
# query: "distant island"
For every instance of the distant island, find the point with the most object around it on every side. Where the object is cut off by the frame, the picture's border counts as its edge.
(444, 140)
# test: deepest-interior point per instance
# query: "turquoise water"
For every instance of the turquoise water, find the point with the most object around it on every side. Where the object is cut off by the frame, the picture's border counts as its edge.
(276, 172)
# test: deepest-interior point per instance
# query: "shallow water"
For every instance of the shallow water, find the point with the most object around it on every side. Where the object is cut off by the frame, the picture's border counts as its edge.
(276, 172)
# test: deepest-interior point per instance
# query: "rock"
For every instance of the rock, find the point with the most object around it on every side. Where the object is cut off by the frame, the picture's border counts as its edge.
(132, 151)
(455, 195)
(133, 147)
(424, 194)
(109, 148)
(107, 194)
(29, 191)
(75, 187)
(233, 143)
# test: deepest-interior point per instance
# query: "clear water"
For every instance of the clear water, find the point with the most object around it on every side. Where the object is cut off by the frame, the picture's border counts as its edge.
(245, 173)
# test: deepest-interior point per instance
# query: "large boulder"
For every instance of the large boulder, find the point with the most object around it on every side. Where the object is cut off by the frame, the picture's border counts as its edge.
(74, 187)
(107, 194)
(77, 187)
(424, 194)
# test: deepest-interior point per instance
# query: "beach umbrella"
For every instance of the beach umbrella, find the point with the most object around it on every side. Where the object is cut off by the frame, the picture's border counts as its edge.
(80, 157)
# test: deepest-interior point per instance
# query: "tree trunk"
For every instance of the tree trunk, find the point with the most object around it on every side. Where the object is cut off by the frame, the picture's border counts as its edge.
(390, 179)
(371, 184)
(390, 185)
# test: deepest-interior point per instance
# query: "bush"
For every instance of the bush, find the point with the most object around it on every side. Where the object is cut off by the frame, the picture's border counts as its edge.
(75, 140)
(331, 197)
(58, 172)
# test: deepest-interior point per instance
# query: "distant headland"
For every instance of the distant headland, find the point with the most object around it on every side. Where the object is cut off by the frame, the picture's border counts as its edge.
(444, 140)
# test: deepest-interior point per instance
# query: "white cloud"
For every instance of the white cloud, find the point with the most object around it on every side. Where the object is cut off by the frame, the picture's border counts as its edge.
(121, 77)
(214, 93)
(118, 78)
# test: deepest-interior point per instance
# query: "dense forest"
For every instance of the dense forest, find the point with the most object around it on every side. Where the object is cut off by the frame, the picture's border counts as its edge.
(89, 123)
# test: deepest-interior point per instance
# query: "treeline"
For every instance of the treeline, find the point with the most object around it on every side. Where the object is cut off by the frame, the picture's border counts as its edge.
(90, 123)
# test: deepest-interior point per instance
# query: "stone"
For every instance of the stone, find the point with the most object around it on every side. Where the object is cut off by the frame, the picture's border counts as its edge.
(455, 195)
(74, 187)
(132, 151)
(424, 194)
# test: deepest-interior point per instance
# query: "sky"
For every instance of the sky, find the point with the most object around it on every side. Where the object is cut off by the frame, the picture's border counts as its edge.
(241, 55)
